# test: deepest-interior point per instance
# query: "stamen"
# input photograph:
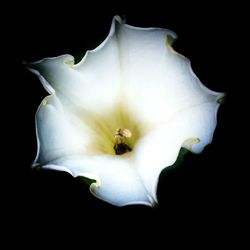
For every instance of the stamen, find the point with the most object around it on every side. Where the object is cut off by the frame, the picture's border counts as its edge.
(121, 136)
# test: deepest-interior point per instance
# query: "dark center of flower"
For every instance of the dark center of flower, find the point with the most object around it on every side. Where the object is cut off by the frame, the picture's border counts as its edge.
(121, 136)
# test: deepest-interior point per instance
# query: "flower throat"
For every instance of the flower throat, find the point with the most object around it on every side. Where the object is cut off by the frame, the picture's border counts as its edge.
(121, 136)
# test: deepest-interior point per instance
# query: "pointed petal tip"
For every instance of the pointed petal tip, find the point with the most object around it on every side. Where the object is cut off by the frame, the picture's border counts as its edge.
(36, 166)
(118, 19)
(28, 66)
(66, 59)
(171, 37)
(221, 98)
(190, 142)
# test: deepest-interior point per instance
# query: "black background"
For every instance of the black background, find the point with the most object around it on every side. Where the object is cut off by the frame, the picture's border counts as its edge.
(203, 193)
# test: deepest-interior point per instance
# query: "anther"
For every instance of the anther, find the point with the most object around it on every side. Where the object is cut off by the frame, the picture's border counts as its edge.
(121, 136)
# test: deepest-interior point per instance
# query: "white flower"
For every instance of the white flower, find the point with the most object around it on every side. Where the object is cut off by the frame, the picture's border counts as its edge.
(122, 114)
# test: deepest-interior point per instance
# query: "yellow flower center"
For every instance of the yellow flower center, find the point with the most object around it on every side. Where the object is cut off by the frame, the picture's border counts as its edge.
(114, 132)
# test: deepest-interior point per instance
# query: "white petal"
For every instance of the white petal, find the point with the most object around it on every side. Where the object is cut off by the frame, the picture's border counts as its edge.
(61, 147)
(158, 82)
(64, 146)
(56, 135)
(133, 66)
(93, 84)
(117, 181)
(192, 128)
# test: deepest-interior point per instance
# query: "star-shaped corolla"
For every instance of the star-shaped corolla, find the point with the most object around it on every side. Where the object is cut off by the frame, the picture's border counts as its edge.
(122, 114)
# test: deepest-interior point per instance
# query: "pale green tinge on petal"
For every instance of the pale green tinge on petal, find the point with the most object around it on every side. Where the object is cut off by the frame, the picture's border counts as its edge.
(134, 80)
(190, 142)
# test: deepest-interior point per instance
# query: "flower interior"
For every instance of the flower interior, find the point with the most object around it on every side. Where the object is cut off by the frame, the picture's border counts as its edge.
(115, 132)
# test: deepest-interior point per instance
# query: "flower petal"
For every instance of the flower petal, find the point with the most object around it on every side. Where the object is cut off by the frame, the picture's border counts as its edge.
(157, 81)
(192, 128)
(56, 136)
(62, 146)
(117, 181)
(93, 84)
(134, 66)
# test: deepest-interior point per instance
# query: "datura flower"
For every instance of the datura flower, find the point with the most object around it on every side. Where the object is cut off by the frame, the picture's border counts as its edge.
(122, 114)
